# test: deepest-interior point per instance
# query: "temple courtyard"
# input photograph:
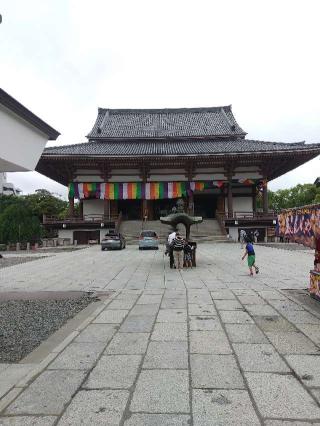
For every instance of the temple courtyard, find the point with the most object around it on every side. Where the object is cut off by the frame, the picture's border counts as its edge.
(207, 346)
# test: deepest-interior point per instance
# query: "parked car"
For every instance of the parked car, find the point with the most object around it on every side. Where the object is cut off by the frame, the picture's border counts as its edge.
(113, 241)
(148, 239)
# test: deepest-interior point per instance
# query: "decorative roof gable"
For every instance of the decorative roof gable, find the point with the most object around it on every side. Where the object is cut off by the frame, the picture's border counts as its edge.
(166, 123)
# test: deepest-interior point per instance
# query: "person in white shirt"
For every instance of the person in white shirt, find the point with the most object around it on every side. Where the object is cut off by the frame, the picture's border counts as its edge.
(243, 236)
(171, 237)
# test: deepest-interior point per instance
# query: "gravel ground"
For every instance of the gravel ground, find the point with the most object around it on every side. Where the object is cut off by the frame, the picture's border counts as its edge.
(11, 261)
(26, 323)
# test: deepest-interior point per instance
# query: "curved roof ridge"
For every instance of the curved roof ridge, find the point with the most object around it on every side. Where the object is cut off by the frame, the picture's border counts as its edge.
(164, 110)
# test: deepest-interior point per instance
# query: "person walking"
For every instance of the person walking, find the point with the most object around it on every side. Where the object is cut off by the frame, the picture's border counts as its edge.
(187, 249)
(171, 237)
(251, 257)
(177, 245)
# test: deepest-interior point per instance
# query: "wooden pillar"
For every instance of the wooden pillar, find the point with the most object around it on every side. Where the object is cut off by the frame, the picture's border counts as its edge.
(190, 209)
(71, 206)
(230, 199)
(81, 208)
(114, 207)
(106, 209)
(254, 198)
(145, 213)
(221, 203)
(150, 208)
(265, 201)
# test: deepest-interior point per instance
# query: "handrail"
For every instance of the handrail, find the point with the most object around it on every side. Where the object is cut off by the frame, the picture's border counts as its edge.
(248, 215)
(89, 218)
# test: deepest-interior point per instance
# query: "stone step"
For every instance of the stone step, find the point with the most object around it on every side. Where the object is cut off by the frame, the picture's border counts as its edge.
(208, 228)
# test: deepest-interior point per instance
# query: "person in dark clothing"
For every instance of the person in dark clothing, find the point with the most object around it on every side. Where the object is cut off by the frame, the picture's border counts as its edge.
(188, 254)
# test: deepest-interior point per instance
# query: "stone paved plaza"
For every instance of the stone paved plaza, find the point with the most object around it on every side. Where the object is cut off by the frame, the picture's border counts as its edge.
(208, 346)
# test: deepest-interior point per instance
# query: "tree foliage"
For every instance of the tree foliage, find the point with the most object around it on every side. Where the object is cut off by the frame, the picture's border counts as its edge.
(299, 195)
(42, 202)
(17, 224)
(21, 216)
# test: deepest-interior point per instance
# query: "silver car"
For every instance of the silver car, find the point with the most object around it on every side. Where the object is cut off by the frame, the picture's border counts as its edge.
(148, 240)
(113, 241)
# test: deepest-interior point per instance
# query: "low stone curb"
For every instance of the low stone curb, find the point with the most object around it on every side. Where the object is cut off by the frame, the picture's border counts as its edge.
(16, 389)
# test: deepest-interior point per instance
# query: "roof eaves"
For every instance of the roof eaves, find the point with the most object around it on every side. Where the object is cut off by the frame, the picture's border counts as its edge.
(316, 149)
(17, 108)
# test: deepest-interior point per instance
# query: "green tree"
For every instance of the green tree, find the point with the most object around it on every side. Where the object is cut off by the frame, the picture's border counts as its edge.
(21, 216)
(18, 224)
(43, 202)
(299, 195)
(7, 200)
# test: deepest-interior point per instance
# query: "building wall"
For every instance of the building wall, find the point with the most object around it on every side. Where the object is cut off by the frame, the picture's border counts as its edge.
(233, 233)
(21, 144)
(93, 207)
(69, 233)
(7, 188)
(2, 181)
(88, 178)
(66, 233)
(209, 176)
(242, 204)
(103, 232)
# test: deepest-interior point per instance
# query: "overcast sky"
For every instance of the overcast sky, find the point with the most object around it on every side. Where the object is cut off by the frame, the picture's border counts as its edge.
(65, 58)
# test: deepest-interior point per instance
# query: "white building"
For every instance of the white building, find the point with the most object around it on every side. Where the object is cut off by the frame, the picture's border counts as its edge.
(7, 188)
(23, 136)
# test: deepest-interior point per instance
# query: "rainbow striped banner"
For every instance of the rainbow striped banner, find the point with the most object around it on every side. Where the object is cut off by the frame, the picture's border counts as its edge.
(148, 190)
(137, 190)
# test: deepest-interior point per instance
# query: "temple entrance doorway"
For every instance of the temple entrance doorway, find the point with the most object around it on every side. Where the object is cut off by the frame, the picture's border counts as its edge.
(205, 205)
(131, 209)
(163, 207)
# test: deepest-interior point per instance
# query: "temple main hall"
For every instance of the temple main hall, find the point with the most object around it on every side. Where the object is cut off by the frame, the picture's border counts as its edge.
(137, 163)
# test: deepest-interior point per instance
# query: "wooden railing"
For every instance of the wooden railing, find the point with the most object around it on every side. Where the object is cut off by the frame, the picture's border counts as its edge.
(248, 215)
(87, 218)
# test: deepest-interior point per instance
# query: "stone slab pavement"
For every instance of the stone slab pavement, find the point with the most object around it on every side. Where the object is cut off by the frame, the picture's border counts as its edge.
(207, 346)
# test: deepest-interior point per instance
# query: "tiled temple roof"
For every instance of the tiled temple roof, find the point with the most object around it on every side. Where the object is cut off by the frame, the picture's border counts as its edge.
(165, 123)
(175, 147)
